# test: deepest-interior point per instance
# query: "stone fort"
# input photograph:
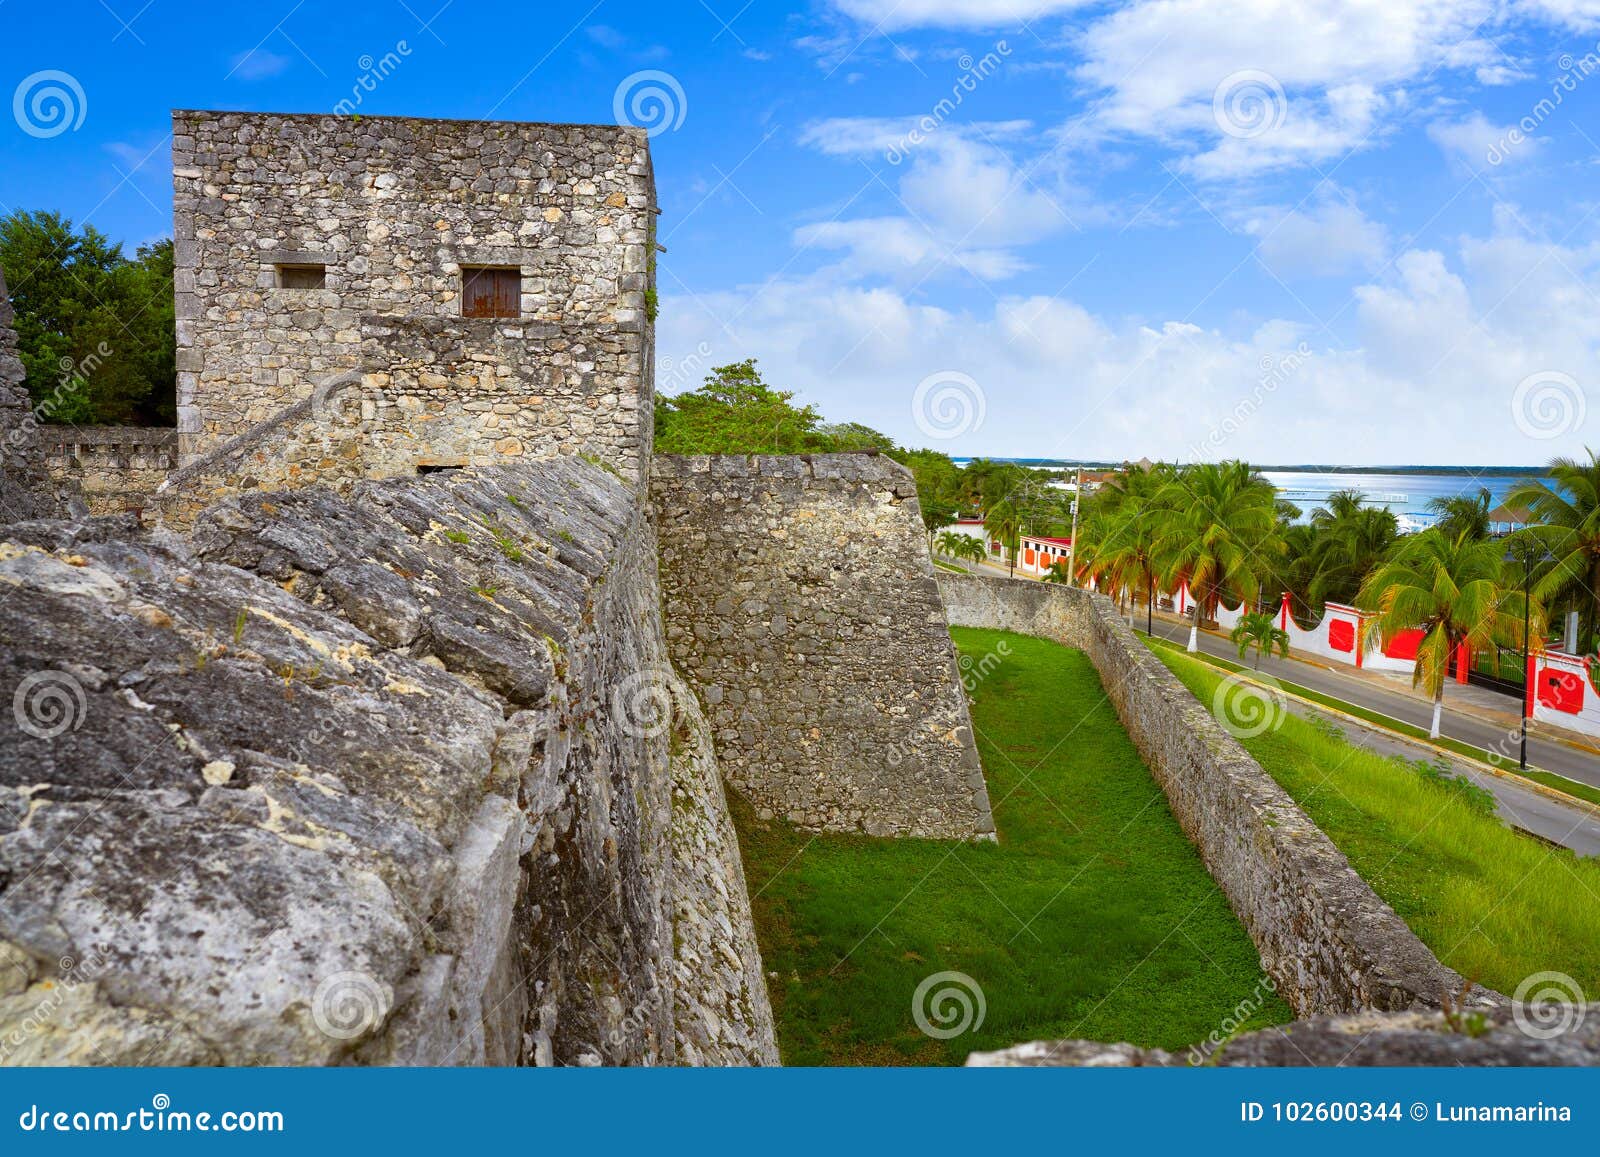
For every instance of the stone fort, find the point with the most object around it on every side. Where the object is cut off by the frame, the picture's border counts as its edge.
(403, 684)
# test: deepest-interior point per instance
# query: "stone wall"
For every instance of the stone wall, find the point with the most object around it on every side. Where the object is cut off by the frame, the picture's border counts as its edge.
(800, 602)
(115, 468)
(1564, 1036)
(25, 490)
(1329, 943)
(393, 208)
(363, 781)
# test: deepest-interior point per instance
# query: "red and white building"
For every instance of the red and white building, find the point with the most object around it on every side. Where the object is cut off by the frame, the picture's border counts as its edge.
(1036, 555)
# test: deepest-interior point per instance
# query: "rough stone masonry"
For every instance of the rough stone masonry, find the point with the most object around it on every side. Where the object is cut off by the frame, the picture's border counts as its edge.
(346, 781)
(377, 768)
(800, 600)
(310, 247)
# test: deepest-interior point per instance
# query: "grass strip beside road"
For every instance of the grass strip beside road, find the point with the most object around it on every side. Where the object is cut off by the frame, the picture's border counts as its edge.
(1549, 779)
(1491, 903)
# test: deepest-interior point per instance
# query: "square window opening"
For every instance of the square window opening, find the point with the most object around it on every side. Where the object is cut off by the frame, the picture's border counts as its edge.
(302, 276)
(490, 291)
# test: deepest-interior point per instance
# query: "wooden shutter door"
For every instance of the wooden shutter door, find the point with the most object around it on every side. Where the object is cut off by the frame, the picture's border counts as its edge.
(491, 293)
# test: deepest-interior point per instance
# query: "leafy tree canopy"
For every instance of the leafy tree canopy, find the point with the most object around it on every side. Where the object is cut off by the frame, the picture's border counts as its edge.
(95, 329)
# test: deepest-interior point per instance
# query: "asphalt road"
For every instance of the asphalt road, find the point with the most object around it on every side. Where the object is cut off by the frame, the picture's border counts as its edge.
(1516, 805)
(1572, 762)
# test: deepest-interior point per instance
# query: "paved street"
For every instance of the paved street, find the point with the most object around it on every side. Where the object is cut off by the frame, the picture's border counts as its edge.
(1518, 805)
(1550, 755)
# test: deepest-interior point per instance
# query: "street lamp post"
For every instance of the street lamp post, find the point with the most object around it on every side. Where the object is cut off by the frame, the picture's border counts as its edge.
(1527, 558)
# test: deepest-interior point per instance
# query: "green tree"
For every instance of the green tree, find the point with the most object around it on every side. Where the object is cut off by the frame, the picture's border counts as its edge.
(736, 412)
(1352, 541)
(1117, 534)
(1003, 523)
(95, 330)
(1451, 589)
(1463, 514)
(1260, 631)
(953, 544)
(1218, 532)
(939, 491)
(1566, 513)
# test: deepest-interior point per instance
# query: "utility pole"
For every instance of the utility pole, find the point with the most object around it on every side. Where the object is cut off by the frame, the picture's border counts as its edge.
(1072, 551)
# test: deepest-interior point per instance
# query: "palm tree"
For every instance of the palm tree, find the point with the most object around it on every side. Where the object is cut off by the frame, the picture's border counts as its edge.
(1058, 573)
(1566, 513)
(1341, 504)
(1296, 569)
(1260, 630)
(1463, 514)
(1004, 522)
(1119, 552)
(1117, 533)
(954, 544)
(1451, 589)
(970, 549)
(1218, 531)
(1350, 546)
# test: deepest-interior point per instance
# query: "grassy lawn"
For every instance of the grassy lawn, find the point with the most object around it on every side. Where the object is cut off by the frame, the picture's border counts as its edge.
(1494, 905)
(1400, 727)
(1093, 917)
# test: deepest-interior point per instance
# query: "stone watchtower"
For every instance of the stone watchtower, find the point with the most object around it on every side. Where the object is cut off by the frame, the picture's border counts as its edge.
(483, 287)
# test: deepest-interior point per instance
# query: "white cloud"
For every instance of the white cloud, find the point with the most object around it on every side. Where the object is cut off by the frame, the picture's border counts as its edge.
(966, 200)
(1437, 352)
(1335, 73)
(1474, 143)
(257, 64)
(900, 249)
(1581, 15)
(897, 14)
(1330, 237)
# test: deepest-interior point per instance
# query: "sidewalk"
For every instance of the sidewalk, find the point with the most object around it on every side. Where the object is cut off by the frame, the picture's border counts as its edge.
(1491, 707)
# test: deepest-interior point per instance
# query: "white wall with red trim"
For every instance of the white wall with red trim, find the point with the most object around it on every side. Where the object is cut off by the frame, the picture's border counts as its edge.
(1562, 693)
(1336, 636)
(1036, 554)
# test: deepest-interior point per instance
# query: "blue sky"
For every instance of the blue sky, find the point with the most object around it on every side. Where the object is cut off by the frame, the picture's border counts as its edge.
(1315, 231)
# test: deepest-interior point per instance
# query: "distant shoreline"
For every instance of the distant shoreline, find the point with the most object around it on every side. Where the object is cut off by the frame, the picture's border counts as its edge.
(1304, 468)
